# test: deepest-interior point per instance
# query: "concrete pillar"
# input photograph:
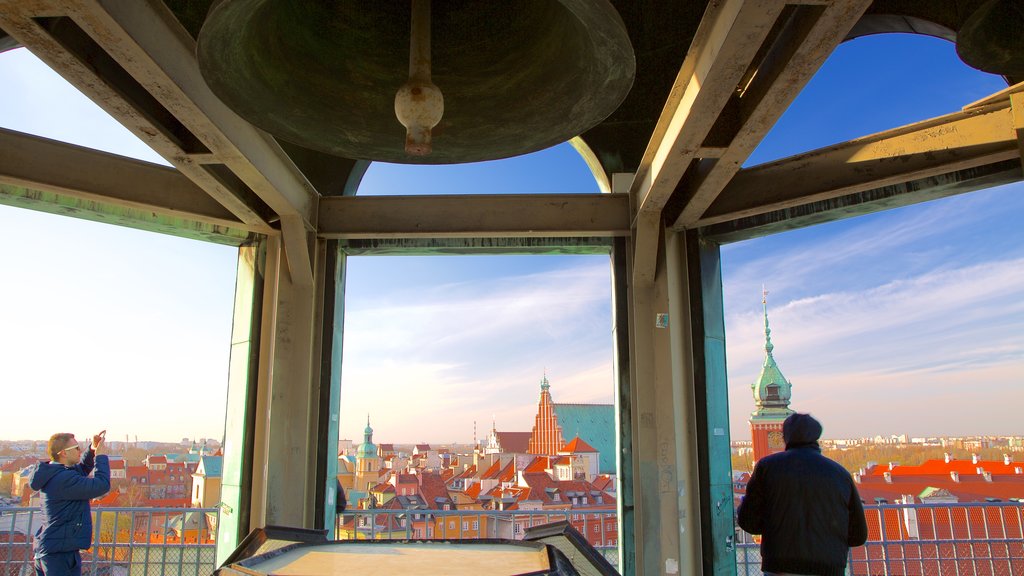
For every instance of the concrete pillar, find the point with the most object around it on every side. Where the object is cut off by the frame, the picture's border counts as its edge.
(682, 468)
(655, 411)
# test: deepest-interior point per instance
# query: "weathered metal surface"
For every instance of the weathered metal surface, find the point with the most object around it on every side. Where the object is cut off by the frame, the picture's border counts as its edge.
(240, 409)
(867, 202)
(96, 211)
(332, 336)
(621, 337)
(711, 388)
(512, 215)
(462, 246)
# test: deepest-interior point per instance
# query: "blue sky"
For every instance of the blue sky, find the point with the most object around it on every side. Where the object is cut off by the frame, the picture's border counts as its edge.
(908, 321)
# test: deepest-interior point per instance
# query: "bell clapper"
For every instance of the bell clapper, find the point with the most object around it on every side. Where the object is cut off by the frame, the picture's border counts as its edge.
(419, 104)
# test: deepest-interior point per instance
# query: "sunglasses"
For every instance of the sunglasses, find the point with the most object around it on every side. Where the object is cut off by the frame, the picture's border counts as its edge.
(74, 447)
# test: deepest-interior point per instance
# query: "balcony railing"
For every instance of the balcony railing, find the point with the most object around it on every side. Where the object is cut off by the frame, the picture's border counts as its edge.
(977, 539)
(126, 541)
(599, 527)
(985, 539)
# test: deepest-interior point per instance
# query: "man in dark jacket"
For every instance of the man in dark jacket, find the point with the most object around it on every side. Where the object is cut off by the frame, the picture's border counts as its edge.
(65, 489)
(805, 506)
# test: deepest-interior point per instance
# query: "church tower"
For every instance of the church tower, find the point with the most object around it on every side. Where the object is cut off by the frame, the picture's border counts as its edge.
(367, 460)
(547, 434)
(772, 393)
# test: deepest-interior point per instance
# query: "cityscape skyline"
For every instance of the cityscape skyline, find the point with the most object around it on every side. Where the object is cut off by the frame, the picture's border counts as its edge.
(916, 342)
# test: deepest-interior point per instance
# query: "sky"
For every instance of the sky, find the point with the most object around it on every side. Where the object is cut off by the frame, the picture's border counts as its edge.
(907, 321)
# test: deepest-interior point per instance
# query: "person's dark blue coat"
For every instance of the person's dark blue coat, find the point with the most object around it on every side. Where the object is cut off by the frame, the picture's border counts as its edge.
(805, 506)
(65, 492)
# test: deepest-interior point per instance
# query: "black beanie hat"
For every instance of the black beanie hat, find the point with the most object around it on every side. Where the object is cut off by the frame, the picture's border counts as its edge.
(800, 429)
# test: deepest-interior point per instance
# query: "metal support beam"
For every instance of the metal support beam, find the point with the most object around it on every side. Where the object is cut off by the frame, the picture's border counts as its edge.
(801, 42)
(49, 165)
(621, 338)
(331, 313)
(519, 215)
(868, 202)
(959, 141)
(727, 40)
(243, 391)
(1017, 106)
(711, 394)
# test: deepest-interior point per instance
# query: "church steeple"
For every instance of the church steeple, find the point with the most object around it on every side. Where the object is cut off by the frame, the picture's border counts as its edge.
(768, 347)
(772, 392)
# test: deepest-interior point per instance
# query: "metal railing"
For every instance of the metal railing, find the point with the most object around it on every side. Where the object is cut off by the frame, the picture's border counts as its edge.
(126, 541)
(599, 527)
(975, 539)
(983, 539)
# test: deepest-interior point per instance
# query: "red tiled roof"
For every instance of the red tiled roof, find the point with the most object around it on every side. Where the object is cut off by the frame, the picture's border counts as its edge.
(996, 467)
(473, 490)
(540, 483)
(603, 482)
(432, 488)
(517, 442)
(508, 473)
(493, 471)
(578, 446)
(538, 464)
(971, 487)
(469, 472)
(19, 463)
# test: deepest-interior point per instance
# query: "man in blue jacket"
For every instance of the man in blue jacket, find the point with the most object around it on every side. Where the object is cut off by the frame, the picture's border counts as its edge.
(805, 506)
(65, 489)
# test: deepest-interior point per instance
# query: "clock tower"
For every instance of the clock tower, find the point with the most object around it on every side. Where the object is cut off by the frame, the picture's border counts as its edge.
(772, 393)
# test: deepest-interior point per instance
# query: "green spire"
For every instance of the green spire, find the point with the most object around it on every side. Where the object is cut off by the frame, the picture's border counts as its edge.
(544, 385)
(772, 392)
(367, 448)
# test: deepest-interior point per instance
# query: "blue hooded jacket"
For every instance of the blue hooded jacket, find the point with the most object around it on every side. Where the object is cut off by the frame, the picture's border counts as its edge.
(65, 492)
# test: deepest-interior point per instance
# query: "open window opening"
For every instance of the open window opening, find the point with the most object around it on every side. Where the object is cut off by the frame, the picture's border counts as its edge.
(898, 330)
(108, 328)
(477, 385)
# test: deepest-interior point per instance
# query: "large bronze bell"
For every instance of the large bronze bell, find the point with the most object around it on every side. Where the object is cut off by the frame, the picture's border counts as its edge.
(516, 76)
(992, 38)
